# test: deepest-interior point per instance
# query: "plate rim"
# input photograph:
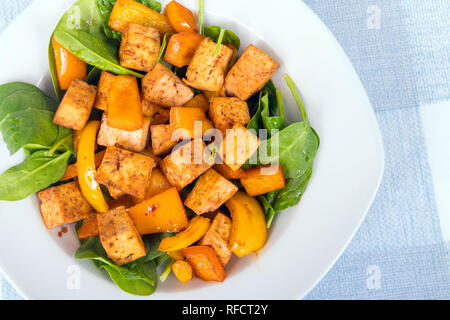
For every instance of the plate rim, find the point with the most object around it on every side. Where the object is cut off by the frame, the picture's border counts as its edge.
(378, 138)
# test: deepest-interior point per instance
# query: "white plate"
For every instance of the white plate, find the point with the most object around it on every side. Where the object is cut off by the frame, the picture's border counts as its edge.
(304, 241)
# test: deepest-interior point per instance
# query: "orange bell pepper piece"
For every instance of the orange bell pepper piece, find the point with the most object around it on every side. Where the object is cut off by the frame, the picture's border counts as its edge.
(258, 182)
(175, 255)
(181, 48)
(184, 119)
(72, 170)
(204, 261)
(158, 183)
(125, 11)
(181, 18)
(89, 228)
(248, 231)
(86, 168)
(196, 229)
(162, 213)
(199, 101)
(68, 66)
(229, 173)
(182, 270)
(124, 104)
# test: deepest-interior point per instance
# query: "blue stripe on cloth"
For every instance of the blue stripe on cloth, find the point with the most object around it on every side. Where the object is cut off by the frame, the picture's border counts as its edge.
(429, 30)
(7, 292)
(401, 235)
(402, 273)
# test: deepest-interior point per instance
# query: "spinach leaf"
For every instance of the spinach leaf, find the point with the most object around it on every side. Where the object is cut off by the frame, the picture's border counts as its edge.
(201, 17)
(63, 143)
(269, 103)
(167, 270)
(162, 49)
(29, 126)
(81, 31)
(32, 175)
(291, 194)
(268, 210)
(19, 96)
(214, 32)
(93, 76)
(105, 7)
(294, 147)
(138, 277)
(53, 70)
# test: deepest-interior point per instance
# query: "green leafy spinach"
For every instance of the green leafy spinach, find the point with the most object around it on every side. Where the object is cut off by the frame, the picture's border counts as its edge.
(228, 36)
(138, 277)
(81, 31)
(26, 122)
(294, 147)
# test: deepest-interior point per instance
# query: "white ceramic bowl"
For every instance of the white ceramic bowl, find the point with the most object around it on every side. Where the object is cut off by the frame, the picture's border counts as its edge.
(304, 241)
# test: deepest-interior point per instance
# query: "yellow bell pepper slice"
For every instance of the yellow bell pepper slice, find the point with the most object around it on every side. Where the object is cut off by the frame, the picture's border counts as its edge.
(86, 168)
(248, 231)
(196, 229)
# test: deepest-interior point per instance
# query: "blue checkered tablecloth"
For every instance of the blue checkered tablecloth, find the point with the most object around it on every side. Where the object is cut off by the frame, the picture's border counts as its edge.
(401, 51)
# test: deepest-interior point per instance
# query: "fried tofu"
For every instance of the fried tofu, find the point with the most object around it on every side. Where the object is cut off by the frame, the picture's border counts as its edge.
(139, 48)
(156, 113)
(115, 193)
(104, 86)
(131, 140)
(225, 112)
(119, 236)
(126, 171)
(163, 87)
(238, 146)
(74, 110)
(63, 204)
(210, 192)
(217, 237)
(250, 73)
(148, 151)
(186, 162)
(162, 141)
(206, 71)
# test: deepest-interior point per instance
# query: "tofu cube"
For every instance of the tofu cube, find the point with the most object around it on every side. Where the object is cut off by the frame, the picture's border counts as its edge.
(119, 236)
(206, 71)
(148, 151)
(104, 86)
(210, 192)
(238, 146)
(63, 204)
(139, 48)
(131, 140)
(115, 193)
(217, 237)
(156, 113)
(163, 87)
(74, 110)
(126, 171)
(186, 162)
(250, 73)
(162, 141)
(225, 112)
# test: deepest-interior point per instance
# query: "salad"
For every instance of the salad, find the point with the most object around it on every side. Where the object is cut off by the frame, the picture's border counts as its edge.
(166, 147)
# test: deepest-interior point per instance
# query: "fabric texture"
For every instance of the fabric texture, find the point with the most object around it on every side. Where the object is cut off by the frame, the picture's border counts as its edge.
(401, 51)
